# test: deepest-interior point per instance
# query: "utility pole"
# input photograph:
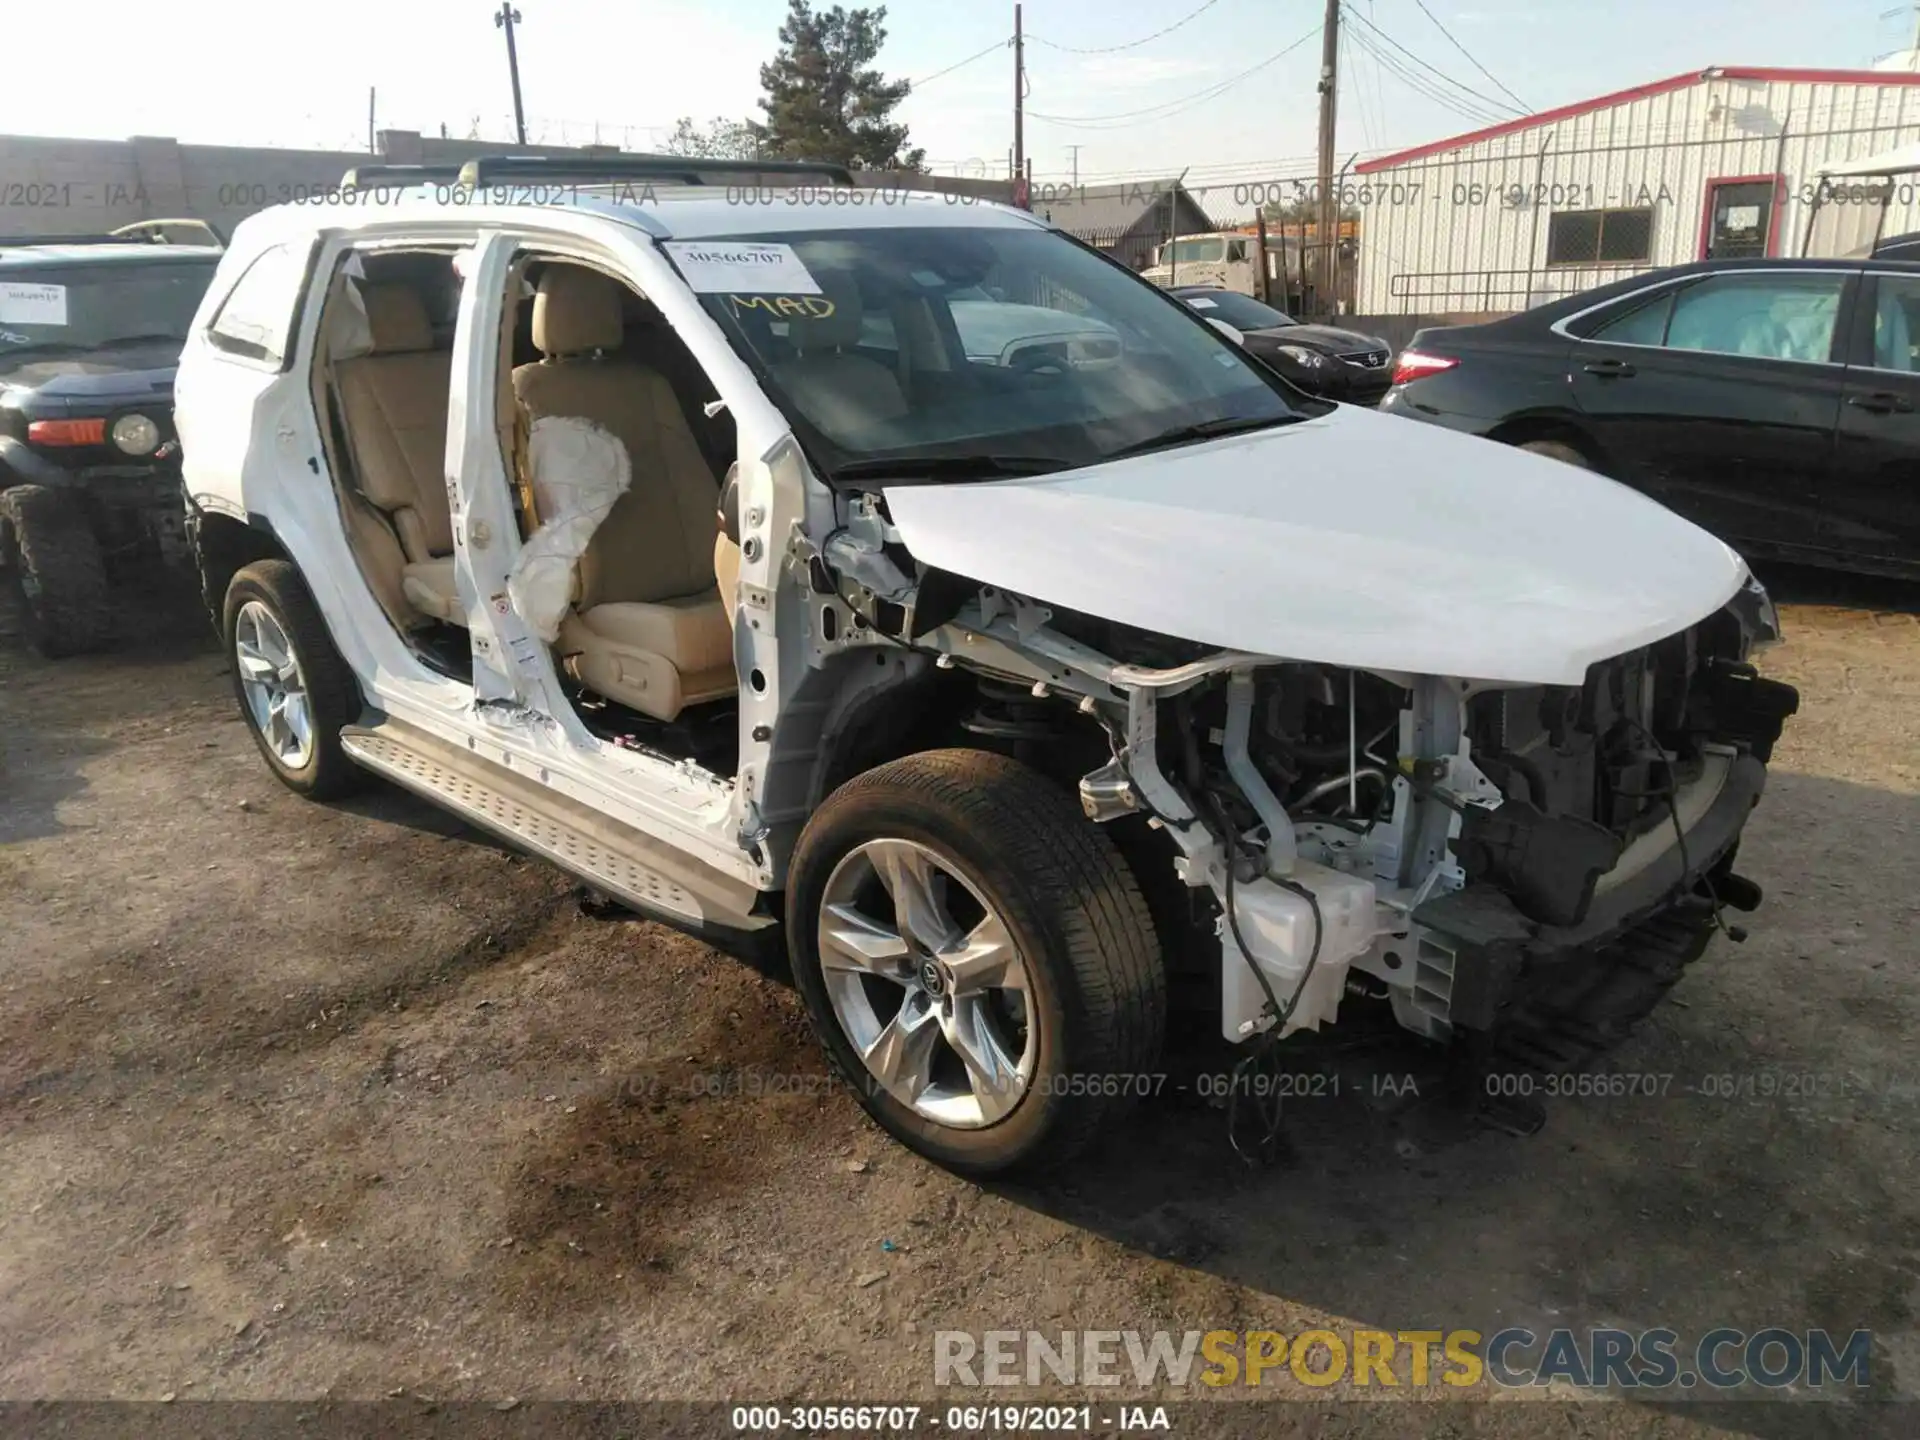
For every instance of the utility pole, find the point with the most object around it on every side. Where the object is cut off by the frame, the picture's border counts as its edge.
(1019, 96)
(1260, 236)
(370, 131)
(1329, 95)
(505, 19)
(1173, 229)
(1076, 165)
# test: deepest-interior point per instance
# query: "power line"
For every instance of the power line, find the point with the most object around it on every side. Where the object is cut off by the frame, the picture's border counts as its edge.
(1359, 87)
(1172, 107)
(1224, 173)
(1372, 74)
(1425, 79)
(1470, 60)
(994, 48)
(1425, 88)
(1131, 44)
(1485, 100)
(1481, 112)
(1277, 169)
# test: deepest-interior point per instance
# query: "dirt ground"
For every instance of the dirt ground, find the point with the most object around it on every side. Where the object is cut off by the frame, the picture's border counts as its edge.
(300, 1101)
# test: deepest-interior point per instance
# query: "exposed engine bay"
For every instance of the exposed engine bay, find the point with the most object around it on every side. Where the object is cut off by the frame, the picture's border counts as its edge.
(1432, 841)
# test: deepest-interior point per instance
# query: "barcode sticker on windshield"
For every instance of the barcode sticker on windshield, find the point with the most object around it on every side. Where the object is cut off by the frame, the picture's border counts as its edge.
(731, 268)
(28, 304)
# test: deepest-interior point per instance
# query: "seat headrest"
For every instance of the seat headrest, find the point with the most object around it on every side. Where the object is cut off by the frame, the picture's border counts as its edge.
(396, 318)
(576, 309)
(838, 326)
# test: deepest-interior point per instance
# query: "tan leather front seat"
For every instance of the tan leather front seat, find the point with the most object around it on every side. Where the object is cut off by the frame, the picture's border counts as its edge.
(393, 400)
(648, 628)
(839, 391)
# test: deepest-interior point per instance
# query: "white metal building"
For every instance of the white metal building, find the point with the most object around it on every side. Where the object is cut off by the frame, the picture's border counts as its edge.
(1714, 163)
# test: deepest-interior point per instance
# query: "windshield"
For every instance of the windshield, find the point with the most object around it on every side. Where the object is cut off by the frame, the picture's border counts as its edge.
(1243, 312)
(91, 306)
(896, 346)
(1195, 251)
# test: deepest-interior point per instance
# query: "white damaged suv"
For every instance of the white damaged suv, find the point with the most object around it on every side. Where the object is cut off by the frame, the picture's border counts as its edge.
(675, 533)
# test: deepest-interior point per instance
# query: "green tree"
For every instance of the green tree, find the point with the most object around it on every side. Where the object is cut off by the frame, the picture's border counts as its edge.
(719, 139)
(824, 98)
(1302, 208)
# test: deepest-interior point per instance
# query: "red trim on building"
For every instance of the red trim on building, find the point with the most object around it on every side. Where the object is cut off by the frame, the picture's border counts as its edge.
(1640, 92)
(1714, 182)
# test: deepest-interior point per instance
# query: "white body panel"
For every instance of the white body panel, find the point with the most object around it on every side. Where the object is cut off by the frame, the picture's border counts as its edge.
(1351, 540)
(269, 464)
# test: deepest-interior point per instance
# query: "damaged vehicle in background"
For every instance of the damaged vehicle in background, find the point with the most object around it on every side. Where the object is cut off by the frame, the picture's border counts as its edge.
(90, 329)
(1018, 703)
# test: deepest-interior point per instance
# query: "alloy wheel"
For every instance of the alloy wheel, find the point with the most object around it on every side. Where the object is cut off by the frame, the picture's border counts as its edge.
(274, 687)
(926, 981)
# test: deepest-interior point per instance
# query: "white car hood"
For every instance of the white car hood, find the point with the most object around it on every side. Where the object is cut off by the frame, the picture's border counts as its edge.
(1354, 539)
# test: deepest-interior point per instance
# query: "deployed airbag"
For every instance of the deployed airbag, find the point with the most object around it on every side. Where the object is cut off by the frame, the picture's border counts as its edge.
(578, 470)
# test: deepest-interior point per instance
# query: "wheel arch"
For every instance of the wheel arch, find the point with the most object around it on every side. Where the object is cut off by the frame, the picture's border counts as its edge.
(870, 706)
(224, 544)
(1553, 426)
(863, 707)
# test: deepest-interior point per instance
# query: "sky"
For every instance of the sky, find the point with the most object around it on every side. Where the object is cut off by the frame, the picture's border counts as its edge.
(1227, 92)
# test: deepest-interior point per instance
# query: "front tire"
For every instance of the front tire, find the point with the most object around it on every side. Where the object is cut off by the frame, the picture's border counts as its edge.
(977, 960)
(295, 690)
(57, 571)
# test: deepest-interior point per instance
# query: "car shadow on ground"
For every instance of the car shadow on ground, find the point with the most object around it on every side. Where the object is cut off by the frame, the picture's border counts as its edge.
(1682, 1208)
(40, 769)
(38, 774)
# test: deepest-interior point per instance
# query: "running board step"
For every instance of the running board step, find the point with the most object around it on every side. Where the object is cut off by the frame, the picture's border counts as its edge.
(606, 854)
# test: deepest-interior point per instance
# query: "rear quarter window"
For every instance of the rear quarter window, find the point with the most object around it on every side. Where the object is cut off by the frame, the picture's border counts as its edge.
(1637, 322)
(258, 318)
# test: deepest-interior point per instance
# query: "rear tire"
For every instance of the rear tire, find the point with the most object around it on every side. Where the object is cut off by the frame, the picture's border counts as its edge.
(57, 571)
(1086, 1015)
(295, 690)
(1559, 450)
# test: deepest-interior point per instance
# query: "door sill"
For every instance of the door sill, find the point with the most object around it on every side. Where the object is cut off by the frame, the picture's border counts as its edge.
(633, 867)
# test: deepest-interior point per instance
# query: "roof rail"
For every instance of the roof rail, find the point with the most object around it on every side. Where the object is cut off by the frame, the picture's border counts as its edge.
(140, 232)
(154, 231)
(361, 176)
(676, 169)
(15, 241)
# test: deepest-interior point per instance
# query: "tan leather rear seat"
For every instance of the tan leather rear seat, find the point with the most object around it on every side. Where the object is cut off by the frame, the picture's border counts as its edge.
(648, 630)
(394, 404)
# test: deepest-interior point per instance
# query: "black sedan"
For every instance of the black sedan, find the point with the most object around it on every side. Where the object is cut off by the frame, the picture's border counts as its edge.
(1774, 402)
(1336, 364)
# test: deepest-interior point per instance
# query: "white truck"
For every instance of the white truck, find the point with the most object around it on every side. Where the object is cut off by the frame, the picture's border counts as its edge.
(1220, 259)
